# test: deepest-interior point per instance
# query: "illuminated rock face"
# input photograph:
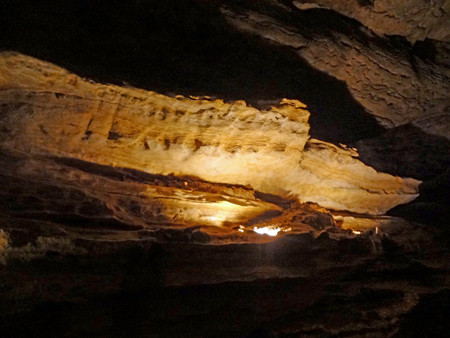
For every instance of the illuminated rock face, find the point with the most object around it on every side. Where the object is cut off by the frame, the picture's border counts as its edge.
(77, 193)
(92, 245)
(48, 111)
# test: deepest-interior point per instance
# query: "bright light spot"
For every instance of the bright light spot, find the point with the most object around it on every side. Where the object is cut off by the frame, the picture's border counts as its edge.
(356, 232)
(267, 231)
(213, 220)
(271, 231)
(240, 230)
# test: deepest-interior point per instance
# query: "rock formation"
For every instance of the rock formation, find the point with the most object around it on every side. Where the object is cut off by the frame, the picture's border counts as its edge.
(242, 190)
(415, 20)
(47, 111)
(391, 83)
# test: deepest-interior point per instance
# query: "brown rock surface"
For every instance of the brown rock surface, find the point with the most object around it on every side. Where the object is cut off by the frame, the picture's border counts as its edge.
(391, 83)
(48, 111)
(413, 19)
(95, 241)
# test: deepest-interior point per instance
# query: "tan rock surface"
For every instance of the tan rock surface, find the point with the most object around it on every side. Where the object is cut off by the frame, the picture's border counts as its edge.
(391, 83)
(48, 111)
(414, 19)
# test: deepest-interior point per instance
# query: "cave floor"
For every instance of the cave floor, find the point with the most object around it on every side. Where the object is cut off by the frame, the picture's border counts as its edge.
(89, 251)
(389, 282)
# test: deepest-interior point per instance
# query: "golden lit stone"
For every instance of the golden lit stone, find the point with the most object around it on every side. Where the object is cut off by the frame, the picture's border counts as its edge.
(48, 111)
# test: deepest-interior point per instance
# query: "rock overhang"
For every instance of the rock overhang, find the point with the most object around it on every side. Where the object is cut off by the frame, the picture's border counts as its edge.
(50, 112)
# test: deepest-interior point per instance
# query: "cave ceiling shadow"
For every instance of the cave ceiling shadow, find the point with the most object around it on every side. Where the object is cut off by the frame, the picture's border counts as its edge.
(406, 151)
(180, 48)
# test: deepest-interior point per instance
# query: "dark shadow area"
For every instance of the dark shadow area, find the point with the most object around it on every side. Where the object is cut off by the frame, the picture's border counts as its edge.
(264, 217)
(406, 151)
(62, 205)
(432, 207)
(434, 51)
(224, 310)
(366, 3)
(426, 50)
(429, 318)
(81, 221)
(186, 47)
(233, 309)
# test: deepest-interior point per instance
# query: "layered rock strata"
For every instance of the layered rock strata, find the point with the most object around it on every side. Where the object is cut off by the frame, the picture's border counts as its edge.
(47, 111)
(72, 283)
(413, 19)
(383, 75)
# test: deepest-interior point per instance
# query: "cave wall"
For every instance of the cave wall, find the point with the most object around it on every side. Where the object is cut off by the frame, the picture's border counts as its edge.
(97, 238)
(360, 67)
(47, 111)
(416, 20)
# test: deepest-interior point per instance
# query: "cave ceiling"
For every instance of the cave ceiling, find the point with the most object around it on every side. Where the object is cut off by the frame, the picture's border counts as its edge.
(342, 104)
(297, 99)
(360, 67)
(192, 127)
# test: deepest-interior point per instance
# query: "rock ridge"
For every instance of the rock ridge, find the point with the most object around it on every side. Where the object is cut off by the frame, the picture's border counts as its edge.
(48, 111)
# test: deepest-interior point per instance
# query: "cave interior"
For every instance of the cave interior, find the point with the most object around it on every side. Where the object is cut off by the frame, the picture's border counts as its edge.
(225, 168)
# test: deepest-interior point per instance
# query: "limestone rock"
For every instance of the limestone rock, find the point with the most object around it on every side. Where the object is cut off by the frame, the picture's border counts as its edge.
(46, 111)
(383, 74)
(98, 238)
(413, 19)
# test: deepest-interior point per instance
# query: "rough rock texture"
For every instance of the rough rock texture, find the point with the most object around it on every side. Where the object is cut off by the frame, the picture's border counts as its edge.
(75, 192)
(79, 283)
(48, 111)
(93, 250)
(394, 85)
(413, 19)
(192, 48)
